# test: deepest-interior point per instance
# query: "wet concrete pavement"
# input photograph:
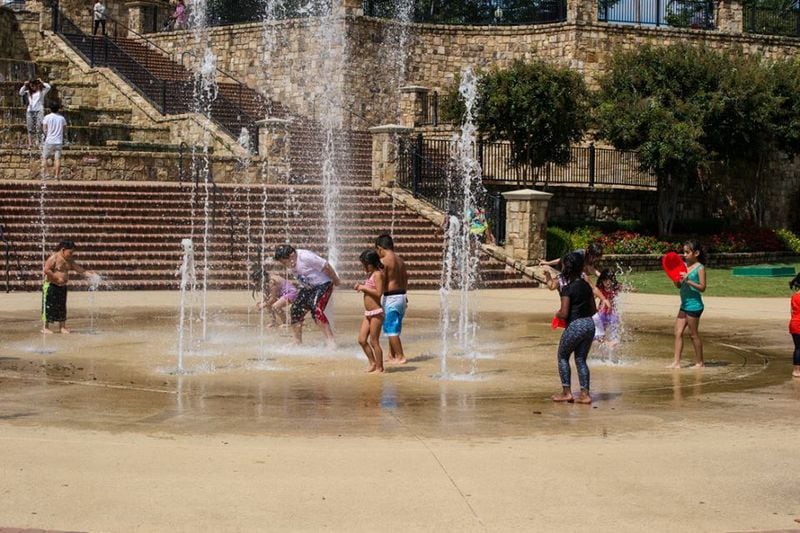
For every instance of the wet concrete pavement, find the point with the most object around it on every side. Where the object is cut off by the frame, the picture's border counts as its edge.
(115, 389)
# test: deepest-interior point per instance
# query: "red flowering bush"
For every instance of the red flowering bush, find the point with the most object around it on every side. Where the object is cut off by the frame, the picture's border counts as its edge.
(746, 239)
(629, 242)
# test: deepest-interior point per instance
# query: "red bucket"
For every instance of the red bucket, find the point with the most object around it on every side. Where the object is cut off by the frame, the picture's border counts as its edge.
(673, 266)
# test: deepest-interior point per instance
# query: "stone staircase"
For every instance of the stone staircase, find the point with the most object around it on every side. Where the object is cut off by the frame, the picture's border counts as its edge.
(131, 232)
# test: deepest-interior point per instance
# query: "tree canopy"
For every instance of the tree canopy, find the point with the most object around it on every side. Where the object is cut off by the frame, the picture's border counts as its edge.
(686, 108)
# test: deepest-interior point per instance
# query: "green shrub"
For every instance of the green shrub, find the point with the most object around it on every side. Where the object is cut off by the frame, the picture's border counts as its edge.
(789, 239)
(581, 237)
(559, 242)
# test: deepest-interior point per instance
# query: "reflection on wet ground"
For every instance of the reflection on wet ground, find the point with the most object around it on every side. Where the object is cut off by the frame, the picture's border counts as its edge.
(122, 377)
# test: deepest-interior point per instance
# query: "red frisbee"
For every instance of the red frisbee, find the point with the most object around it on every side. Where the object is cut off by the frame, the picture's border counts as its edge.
(558, 323)
(673, 266)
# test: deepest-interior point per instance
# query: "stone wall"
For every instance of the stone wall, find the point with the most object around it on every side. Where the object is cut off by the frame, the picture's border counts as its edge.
(437, 55)
(12, 41)
(722, 260)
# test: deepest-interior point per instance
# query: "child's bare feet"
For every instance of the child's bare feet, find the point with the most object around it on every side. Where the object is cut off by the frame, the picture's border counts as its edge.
(584, 398)
(674, 365)
(698, 365)
(377, 370)
(47, 331)
(563, 397)
(397, 361)
(370, 369)
(796, 374)
(65, 331)
(331, 345)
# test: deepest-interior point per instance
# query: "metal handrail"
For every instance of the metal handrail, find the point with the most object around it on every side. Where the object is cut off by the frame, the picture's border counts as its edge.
(9, 249)
(173, 55)
(31, 64)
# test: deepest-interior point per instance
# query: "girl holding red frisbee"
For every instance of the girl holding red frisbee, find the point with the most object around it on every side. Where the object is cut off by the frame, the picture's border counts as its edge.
(692, 284)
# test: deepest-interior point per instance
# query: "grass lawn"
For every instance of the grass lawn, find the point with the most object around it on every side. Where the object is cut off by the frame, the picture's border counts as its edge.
(720, 282)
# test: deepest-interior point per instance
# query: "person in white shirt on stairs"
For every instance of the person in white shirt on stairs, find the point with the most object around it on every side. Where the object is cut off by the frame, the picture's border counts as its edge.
(55, 126)
(34, 91)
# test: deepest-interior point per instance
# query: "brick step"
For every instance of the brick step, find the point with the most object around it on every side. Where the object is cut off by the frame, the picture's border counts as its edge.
(68, 216)
(225, 272)
(174, 285)
(76, 116)
(160, 188)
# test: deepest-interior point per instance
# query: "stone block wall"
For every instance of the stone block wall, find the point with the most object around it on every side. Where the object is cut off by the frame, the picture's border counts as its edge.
(437, 55)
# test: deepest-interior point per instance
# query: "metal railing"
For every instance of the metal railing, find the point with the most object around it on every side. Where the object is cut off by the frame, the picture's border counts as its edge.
(693, 14)
(423, 168)
(771, 21)
(427, 172)
(430, 109)
(17, 69)
(497, 12)
(157, 76)
(9, 251)
(14, 5)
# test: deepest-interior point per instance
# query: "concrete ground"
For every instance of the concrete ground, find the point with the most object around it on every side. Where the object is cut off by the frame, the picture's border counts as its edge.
(98, 433)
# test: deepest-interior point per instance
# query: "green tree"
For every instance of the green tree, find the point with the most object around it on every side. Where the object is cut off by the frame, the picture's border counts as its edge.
(654, 100)
(538, 108)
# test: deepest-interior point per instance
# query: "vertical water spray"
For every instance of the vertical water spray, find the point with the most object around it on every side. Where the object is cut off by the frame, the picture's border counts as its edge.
(188, 282)
(205, 92)
(461, 251)
(395, 52)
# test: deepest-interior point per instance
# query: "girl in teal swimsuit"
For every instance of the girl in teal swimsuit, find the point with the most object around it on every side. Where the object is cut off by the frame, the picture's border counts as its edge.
(692, 285)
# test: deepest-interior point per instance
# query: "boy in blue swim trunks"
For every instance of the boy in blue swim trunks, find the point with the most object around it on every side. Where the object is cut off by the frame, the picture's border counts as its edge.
(395, 300)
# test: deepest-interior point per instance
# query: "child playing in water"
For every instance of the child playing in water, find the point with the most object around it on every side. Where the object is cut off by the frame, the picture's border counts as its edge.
(590, 255)
(794, 324)
(370, 332)
(692, 284)
(54, 291)
(606, 320)
(577, 308)
(278, 293)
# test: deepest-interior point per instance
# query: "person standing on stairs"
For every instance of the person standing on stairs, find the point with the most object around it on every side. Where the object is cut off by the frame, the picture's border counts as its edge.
(54, 126)
(34, 91)
(99, 16)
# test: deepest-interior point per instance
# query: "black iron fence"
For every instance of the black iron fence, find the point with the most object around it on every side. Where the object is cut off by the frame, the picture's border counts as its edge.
(15, 5)
(694, 14)
(773, 20)
(424, 165)
(425, 169)
(155, 75)
(474, 12)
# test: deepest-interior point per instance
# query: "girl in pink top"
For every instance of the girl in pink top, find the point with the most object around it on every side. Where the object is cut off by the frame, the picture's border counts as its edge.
(180, 16)
(370, 332)
(278, 293)
(794, 324)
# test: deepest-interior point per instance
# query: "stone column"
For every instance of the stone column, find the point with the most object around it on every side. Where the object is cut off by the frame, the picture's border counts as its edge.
(384, 153)
(582, 11)
(730, 16)
(413, 100)
(353, 8)
(526, 224)
(273, 145)
(144, 15)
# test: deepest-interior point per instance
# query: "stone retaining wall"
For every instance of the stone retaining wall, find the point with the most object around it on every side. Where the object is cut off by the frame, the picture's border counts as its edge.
(721, 260)
(437, 54)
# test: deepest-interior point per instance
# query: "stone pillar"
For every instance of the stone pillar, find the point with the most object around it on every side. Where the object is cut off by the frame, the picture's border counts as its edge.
(526, 224)
(273, 145)
(582, 11)
(353, 8)
(730, 16)
(413, 101)
(384, 153)
(145, 16)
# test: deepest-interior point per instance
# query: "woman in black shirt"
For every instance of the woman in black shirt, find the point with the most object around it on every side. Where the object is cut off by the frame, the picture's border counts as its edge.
(577, 308)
